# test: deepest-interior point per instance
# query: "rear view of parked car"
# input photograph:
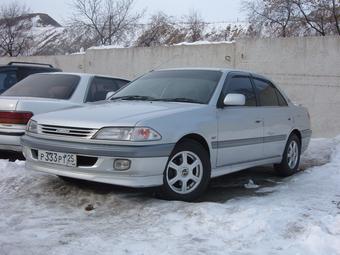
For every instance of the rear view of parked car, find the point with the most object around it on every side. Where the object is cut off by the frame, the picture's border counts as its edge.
(14, 72)
(45, 92)
(173, 128)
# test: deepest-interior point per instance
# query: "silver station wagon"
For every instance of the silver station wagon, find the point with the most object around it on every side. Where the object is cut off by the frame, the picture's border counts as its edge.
(46, 92)
(174, 128)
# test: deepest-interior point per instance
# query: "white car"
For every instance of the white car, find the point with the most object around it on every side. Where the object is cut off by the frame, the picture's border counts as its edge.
(45, 92)
(173, 128)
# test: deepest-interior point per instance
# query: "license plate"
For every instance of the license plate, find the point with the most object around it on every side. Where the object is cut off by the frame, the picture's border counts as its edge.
(59, 158)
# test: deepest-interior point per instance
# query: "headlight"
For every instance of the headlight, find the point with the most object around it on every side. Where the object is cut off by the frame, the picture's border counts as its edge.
(137, 134)
(32, 126)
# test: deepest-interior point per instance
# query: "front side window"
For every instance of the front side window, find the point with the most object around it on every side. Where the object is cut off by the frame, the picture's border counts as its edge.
(57, 86)
(266, 92)
(242, 85)
(193, 86)
(100, 87)
(7, 80)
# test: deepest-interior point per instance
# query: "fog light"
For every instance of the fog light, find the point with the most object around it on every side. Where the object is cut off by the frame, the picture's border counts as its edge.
(121, 164)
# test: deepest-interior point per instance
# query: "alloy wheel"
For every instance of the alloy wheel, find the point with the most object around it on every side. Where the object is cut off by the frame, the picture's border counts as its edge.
(184, 172)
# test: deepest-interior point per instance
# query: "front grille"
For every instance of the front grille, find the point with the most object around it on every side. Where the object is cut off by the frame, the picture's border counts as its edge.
(67, 131)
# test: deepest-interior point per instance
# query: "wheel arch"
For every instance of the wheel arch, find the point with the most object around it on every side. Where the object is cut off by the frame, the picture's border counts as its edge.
(198, 138)
(297, 133)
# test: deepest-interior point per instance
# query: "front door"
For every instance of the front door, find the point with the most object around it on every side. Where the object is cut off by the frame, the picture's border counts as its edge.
(240, 128)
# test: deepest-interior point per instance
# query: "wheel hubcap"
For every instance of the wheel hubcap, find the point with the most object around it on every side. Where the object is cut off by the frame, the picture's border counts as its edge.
(184, 172)
(293, 154)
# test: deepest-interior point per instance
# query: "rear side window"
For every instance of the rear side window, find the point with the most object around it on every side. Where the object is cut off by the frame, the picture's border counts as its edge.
(7, 79)
(281, 99)
(266, 92)
(57, 86)
(242, 85)
(101, 86)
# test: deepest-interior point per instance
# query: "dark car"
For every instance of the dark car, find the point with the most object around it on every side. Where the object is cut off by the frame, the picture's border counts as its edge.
(14, 72)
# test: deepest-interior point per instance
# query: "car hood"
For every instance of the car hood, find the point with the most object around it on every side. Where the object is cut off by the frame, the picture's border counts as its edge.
(119, 113)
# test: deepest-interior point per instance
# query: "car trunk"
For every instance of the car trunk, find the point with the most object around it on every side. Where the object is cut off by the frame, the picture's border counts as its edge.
(15, 112)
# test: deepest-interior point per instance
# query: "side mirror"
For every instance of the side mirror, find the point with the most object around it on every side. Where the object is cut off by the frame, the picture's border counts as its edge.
(234, 99)
(110, 94)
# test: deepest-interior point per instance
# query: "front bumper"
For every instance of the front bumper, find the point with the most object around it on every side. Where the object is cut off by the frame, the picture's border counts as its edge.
(146, 170)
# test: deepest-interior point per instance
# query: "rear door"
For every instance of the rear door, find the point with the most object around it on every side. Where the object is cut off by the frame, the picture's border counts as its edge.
(277, 117)
(240, 128)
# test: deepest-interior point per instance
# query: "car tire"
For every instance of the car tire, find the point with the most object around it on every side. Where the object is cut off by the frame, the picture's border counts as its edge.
(187, 172)
(291, 157)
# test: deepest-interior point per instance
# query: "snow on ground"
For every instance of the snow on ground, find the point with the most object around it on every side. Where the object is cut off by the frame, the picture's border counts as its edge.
(40, 214)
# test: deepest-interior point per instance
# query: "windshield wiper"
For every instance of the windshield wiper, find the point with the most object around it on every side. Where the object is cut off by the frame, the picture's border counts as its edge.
(180, 99)
(142, 98)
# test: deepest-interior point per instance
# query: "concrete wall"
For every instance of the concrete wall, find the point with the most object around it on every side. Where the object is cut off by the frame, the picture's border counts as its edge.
(308, 68)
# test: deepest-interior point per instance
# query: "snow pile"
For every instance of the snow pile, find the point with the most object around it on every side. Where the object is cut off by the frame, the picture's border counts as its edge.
(251, 185)
(202, 43)
(41, 214)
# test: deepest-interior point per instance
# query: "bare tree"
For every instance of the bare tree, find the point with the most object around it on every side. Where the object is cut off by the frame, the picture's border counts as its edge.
(15, 30)
(195, 26)
(294, 17)
(161, 30)
(276, 15)
(320, 15)
(107, 21)
(313, 16)
(336, 14)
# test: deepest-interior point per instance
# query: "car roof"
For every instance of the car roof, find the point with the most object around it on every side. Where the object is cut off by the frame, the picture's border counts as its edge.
(84, 75)
(29, 65)
(224, 70)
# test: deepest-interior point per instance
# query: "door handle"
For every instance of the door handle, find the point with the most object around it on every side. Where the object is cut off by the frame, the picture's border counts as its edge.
(258, 121)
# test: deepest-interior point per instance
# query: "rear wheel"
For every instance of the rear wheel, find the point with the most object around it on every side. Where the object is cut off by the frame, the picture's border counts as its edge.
(291, 157)
(187, 172)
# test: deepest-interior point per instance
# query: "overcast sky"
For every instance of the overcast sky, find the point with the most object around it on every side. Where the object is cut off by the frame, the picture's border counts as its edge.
(211, 10)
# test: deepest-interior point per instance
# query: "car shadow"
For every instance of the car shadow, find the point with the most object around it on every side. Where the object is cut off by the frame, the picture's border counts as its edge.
(220, 190)
(256, 181)
(243, 183)
(11, 156)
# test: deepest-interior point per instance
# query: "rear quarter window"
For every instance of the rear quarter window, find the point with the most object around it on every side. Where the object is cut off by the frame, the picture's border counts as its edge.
(56, 86)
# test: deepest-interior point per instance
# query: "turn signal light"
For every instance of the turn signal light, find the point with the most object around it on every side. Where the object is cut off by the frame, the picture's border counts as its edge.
(21, 118)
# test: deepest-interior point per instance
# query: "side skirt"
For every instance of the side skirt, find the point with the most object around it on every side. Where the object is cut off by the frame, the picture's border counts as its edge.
(227, 169)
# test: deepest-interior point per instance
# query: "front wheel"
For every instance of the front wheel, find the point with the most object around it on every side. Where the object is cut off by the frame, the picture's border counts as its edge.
(187, 173)
(291, 157)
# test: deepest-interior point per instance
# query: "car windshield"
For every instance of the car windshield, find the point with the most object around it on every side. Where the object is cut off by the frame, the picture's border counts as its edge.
(192, 86)
(57, 86)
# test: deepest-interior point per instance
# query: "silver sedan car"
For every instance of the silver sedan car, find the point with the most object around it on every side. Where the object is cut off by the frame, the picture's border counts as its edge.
(46, 92)
(174, 128)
